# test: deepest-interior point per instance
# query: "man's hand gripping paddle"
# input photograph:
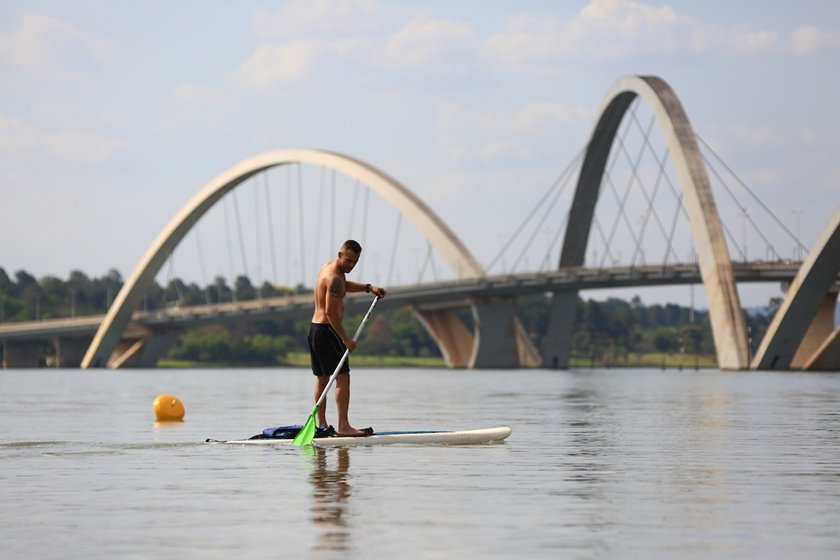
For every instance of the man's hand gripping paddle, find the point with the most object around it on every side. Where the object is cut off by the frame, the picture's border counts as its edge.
(307, 433)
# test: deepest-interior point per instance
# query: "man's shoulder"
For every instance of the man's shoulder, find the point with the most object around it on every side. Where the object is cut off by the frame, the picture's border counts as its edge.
(327, 271)
(332, 279)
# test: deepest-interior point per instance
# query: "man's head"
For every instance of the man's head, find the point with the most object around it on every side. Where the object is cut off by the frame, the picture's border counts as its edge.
(352, 245)
(349, 254)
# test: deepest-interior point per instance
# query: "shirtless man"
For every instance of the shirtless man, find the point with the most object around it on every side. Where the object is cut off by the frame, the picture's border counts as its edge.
(327, 337)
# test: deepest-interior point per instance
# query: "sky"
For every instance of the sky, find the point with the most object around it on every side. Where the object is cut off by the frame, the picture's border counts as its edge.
(113, 114)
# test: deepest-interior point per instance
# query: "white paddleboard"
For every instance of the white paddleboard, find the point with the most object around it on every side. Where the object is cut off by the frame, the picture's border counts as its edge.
(463, 437)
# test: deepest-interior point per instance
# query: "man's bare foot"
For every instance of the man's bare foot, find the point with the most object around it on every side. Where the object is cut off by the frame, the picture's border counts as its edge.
(350, 431)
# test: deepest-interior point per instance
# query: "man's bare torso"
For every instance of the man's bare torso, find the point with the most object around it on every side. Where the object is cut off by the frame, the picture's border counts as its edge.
(329, 284)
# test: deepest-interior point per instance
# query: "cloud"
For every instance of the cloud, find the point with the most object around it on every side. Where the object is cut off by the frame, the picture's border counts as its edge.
(537, 118)
(81, 147)
(502, 150)
(807, 39)
(605, 28)
(15, 136)
(616, 29)
(273, 65)
(515, 136)
(193, 107)
(19, 139)
(423, 44)
(531, 119)
(304, 18)
(193, 93)
(427, 41)
(46, 45)
(753, 136)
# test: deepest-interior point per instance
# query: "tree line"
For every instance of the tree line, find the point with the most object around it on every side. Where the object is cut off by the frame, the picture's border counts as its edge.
(606, 332)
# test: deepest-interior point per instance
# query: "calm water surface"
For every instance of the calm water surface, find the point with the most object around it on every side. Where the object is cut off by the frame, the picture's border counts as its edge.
(601, 464)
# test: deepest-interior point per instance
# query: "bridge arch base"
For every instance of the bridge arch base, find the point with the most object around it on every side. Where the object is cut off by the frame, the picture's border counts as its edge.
(802, 334)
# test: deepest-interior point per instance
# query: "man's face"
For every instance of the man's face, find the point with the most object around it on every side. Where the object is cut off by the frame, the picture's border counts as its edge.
(347, 260)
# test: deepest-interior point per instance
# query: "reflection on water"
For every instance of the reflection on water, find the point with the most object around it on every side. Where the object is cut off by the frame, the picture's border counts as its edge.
(330, 492)
(589, 430)
(601, 464)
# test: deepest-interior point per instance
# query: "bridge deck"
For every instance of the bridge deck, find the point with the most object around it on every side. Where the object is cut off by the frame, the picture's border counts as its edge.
(426, 295)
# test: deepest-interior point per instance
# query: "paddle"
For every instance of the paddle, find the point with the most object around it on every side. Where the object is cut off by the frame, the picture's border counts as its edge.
(307, 433)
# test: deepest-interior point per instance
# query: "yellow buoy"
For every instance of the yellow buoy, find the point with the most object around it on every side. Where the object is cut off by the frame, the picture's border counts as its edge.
(168, 408)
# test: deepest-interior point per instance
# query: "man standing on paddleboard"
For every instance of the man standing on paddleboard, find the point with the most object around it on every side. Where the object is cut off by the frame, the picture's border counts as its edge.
(327, 337)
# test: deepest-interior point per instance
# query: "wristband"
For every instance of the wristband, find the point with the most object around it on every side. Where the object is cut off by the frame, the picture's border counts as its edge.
(367, 288)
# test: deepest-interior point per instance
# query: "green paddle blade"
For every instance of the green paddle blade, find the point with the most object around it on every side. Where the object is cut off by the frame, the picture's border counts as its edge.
(307, 433)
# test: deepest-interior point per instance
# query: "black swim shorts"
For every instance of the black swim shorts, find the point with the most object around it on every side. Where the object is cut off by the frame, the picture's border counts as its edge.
(326, 349)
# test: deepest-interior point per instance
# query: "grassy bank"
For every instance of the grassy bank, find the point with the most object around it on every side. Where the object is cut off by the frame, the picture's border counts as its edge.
(301, 359)
(649, 360)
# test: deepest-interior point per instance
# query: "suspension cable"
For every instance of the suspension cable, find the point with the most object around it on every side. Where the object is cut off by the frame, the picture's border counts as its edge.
(229, 244)
(611, 163)
(744, 210)
(363, 241)
(394, 248)
(622, 201)
(201, 262)
(352, 217)
(317, 246)
(546, 262)
(669, 248)
(242, 255)
(752, 194)
(534, 210)
(333, 240)
(678, 194)
(651, 197)
(270, 220)
(288, 236)
(302, 214)
(563, 181)
(257, 229)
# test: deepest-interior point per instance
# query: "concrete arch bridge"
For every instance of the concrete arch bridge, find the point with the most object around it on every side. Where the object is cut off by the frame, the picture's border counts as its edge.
(802, 336)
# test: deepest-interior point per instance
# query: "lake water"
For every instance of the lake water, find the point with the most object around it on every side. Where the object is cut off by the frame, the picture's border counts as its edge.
(600, 464)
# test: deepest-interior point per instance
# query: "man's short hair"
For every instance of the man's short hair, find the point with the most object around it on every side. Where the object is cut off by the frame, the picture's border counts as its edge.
(351, 245)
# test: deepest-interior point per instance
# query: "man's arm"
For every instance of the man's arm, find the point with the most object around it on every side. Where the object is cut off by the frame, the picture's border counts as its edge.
(335, 310)
(353, 287)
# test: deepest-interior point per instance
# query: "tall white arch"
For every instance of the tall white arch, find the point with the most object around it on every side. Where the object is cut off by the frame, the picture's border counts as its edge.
(726, 316)
(423, 218)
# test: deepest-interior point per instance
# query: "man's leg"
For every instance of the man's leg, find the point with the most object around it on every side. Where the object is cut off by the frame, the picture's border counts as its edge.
(321, 384)
(342, 402)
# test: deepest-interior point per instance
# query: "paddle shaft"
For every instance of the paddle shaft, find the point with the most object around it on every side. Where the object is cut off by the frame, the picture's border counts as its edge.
(344, 357)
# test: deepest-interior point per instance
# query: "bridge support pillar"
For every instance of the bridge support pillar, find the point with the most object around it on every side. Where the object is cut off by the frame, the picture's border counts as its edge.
(561, 319)
(498, 340)
(70, 351)
(23, 354)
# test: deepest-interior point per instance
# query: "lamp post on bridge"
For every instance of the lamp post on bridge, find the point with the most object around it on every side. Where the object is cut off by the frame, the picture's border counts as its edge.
(744, 234)
(797, 249)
